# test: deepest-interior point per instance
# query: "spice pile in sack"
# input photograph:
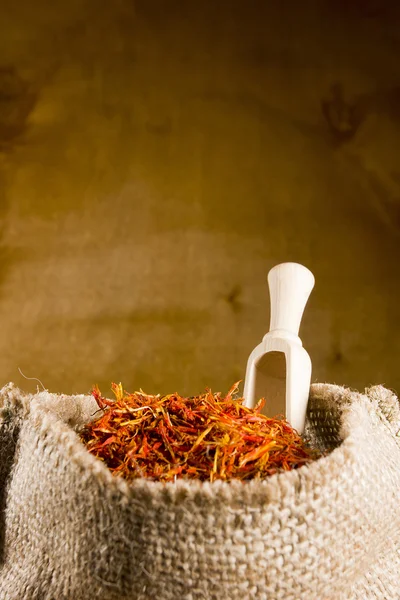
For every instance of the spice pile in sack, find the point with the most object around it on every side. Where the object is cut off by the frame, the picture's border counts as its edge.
(207, 437)
(328, 530)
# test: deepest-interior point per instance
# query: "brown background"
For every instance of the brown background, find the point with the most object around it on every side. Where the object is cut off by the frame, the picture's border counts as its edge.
(157, 158)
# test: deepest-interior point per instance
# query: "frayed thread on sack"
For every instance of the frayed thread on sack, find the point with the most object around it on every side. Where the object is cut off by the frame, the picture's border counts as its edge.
(386, 404)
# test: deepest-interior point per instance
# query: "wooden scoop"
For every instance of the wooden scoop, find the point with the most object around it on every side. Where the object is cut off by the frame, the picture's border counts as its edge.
(279, 369)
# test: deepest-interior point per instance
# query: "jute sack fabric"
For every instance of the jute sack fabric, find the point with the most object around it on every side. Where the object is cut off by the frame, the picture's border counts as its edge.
(69, 530)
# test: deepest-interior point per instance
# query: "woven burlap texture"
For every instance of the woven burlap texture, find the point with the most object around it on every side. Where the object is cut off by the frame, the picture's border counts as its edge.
(69, 530)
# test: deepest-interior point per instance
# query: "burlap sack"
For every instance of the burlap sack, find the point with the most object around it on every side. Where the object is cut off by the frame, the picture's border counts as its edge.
(71, 531)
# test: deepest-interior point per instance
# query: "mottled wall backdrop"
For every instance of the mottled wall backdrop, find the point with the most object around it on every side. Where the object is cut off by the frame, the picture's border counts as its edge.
(158, 157)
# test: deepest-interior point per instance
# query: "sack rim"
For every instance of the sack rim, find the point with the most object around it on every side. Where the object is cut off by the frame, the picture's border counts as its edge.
(356, 422)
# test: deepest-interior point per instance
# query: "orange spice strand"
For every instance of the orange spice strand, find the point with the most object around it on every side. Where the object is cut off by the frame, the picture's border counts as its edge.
(206, 437)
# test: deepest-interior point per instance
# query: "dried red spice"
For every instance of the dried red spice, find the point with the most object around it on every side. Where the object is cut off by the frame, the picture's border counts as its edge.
(206, 437)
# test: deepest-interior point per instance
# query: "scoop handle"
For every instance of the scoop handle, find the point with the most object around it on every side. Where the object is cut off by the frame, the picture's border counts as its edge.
(290, 286)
